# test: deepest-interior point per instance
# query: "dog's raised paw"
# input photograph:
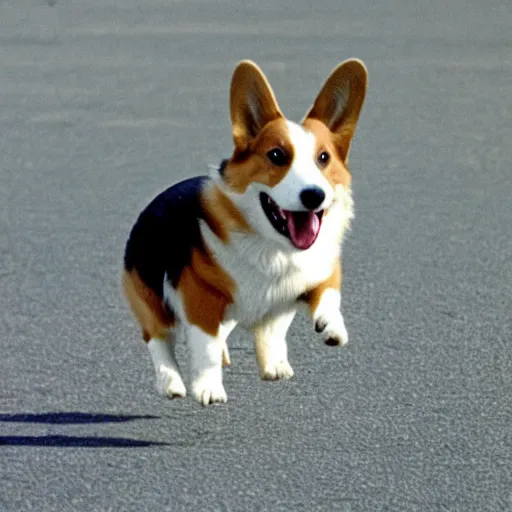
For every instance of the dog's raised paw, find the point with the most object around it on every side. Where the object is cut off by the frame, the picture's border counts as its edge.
(169, 383)
(276, 371)
(332, 327)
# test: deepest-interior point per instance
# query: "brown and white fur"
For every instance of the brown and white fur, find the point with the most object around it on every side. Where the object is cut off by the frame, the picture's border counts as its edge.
(252, 243)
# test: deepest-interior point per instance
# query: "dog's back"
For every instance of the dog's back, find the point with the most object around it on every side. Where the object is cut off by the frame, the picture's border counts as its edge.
(162, 239)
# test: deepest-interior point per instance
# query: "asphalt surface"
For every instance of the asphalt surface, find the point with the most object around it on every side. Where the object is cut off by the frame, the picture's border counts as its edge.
(105, 103)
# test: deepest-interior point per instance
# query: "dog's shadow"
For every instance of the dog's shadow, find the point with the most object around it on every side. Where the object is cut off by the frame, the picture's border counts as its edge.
(74, 418)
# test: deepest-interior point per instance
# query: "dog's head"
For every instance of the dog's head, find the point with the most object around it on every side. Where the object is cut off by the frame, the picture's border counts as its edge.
(287, 176)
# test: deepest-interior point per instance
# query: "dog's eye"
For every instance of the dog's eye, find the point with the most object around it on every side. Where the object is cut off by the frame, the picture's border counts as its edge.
(278, 157)
(323, 158)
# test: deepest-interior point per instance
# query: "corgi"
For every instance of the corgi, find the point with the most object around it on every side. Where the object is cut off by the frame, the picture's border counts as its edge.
(254, 241)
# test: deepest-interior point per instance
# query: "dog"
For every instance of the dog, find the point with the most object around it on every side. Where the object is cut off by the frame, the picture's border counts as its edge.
(252, 242)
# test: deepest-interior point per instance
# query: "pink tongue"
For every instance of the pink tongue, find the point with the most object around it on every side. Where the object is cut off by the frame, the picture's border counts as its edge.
(303, 228)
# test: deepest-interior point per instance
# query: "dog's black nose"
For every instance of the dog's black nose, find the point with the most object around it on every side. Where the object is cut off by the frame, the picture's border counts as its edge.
(312, 197)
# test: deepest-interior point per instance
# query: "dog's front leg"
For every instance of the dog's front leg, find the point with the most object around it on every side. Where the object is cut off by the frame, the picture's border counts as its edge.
(324, 304)
(206, 360)
(202, 309)
(271, 348)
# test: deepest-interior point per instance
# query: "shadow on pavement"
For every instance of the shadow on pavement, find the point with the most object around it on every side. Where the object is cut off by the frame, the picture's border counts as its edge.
(71, 418)
(73, 441)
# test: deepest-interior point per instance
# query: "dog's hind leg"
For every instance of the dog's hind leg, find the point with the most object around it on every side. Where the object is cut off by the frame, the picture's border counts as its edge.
(159, 331)
(271, 348)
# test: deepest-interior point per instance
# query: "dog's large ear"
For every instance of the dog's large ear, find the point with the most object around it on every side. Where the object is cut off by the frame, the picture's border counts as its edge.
(339, 102)
(252, 103)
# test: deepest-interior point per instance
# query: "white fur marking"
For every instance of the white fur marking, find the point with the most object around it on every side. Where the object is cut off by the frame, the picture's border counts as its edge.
(303, 173)
(168, 378)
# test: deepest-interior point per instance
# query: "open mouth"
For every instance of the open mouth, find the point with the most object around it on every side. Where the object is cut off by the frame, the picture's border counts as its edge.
(301, 228)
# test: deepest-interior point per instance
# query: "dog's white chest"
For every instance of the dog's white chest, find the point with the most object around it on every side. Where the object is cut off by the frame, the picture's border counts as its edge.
(266, 279)
(258, 295)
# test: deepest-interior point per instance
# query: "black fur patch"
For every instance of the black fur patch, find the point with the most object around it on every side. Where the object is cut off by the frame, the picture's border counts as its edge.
(162, 239)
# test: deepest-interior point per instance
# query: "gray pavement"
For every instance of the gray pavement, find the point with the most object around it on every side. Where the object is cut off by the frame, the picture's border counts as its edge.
(105, 103)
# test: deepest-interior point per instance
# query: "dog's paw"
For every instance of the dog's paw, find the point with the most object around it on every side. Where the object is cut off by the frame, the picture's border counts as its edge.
(332, 327)
(169, 383)
(276, 371)
(209, 391)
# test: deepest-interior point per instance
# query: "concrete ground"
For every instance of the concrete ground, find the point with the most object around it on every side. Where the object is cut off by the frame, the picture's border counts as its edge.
(105, 103)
